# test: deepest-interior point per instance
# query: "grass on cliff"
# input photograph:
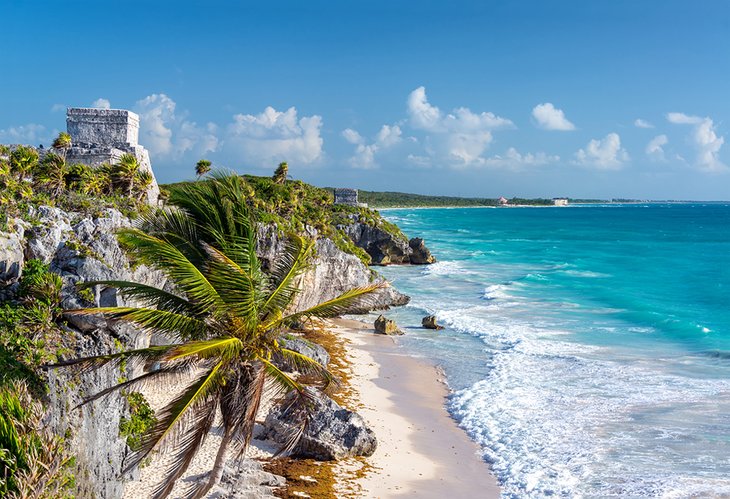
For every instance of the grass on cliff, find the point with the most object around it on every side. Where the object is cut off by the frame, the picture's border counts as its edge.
(293, 205)
(32, 177)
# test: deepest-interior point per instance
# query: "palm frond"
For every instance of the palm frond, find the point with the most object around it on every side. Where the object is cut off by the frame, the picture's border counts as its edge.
(176, 227)
(236, 288)
(309, 367)
(187, 447)
(84, 365)
(176, 326)
(298, 411)
(291, 264)
(170, 420)
(240, 402)
(150, 295)
(224, 348)
(171, 371)
(177, 267)
(331, 308)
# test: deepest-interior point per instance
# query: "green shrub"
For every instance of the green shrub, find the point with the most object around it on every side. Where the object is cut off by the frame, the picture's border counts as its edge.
(33, 461)
(141, 420)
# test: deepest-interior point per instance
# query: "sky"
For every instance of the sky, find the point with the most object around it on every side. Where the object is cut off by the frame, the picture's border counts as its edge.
(587, 99)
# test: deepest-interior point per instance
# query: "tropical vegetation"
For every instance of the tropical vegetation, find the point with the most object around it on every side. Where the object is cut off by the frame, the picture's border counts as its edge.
(293, 206)
(224, 318)
(202, 167)
(29, 178)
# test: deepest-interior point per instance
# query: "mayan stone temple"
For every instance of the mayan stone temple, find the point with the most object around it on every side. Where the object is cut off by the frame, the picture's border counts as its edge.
(103, 136)
(348, 197)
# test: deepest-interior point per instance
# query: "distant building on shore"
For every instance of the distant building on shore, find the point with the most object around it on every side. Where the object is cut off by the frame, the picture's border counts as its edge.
(348, 197)
(503, 201)
(560, 201)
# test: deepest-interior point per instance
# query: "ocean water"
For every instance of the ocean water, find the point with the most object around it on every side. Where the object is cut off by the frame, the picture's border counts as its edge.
(588, 347)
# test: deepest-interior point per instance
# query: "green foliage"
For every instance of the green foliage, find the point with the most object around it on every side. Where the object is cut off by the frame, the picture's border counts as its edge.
(27, 182)
(34, 463)
(202, 167)
(141, 420)
(293, 205)
(29, 333)
(227, 316)
(405, 200)
(40, 284)
(281, 172)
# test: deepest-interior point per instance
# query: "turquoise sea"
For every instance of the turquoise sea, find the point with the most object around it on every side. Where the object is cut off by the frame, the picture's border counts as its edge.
(588, 347)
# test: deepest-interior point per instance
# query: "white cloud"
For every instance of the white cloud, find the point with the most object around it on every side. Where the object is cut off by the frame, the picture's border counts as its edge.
(364, 156)
(56, 108)
(423, 115)
(273, 136)
(101, 103)
(548, 117)
(639, 123)
(683, 119)
(30, 134)
(603, 154)
(705, 141)
(655, 147)
(458, 138)
(352, 136)
(516, 160)
(166, 133)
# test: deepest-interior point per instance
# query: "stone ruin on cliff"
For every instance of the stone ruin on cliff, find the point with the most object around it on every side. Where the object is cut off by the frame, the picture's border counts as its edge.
(348, 197)
(103, 136)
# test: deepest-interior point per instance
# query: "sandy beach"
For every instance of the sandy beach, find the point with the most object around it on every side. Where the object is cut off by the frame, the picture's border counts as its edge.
(421, 451)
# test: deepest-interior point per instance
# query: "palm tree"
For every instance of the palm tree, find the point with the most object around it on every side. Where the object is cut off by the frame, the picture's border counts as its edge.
(142, 183)
(282, 171)
(62, 143)
(202, 167)
(226, 316)
(52, 176)
(125, 172)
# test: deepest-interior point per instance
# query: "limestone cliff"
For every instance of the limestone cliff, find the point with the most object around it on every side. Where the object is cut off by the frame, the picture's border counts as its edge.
(387, 247)
(85, 248)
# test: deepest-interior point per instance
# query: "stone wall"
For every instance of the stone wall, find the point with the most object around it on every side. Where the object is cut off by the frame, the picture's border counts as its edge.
(103, 136)
(103, 127)
(346, 196)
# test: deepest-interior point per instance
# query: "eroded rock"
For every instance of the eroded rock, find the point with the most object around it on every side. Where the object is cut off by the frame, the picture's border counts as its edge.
(420, 254)
(429, 322)
(386, 326)
(332, 433)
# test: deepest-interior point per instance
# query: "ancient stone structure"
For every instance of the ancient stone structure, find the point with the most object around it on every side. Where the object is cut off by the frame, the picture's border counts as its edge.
(103, 136)
(348, 197)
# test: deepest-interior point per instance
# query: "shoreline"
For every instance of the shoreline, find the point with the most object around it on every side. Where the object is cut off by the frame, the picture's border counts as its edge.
(421, 450)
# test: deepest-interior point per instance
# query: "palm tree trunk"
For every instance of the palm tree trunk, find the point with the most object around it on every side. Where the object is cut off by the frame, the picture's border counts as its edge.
(217, 472)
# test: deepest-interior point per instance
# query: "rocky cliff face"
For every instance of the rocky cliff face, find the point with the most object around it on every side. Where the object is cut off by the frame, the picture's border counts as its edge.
(331, 273)
(83, 248)
(386, 248)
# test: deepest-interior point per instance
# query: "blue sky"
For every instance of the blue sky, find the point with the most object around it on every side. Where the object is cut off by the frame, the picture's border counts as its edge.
(520, 98)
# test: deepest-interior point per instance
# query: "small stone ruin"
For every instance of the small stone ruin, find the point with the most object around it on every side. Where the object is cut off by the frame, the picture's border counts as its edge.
(348, 197)
(103, 136)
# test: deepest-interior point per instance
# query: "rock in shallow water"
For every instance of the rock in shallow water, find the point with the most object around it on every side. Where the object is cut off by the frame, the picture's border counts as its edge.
(332, 433)
(420, 254)
(429, 322)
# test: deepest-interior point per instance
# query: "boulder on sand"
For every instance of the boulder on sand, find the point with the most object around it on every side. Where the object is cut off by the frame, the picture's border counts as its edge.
(333, 432)
(386, 326)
